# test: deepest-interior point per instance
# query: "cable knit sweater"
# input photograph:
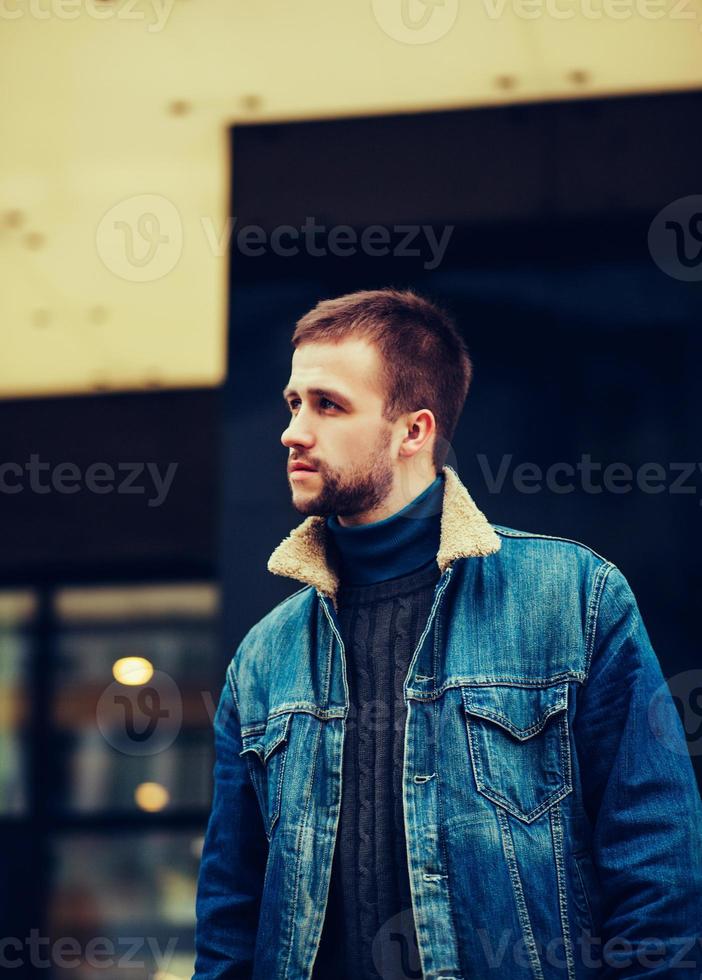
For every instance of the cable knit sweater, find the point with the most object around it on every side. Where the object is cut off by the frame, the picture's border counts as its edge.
(369, 930)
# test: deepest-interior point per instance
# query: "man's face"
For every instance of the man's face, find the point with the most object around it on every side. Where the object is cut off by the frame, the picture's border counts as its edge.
(336, 399)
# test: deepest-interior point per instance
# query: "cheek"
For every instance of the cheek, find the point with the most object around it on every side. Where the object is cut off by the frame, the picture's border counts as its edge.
(370, 444)
(358, 439)
(346, 445)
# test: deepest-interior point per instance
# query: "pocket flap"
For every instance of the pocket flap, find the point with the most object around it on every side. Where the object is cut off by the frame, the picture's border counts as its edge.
(522, 711)
(265, 741)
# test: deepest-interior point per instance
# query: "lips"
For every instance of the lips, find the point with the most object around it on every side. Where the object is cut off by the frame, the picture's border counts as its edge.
(301, 466)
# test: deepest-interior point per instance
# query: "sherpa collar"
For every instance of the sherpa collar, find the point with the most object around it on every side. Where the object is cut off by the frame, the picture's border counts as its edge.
(465, 533)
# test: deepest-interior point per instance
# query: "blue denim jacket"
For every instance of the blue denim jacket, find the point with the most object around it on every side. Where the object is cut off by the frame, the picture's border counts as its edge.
(552, 818)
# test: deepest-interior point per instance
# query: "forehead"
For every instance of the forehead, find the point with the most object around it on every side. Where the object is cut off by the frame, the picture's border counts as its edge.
(351, 365)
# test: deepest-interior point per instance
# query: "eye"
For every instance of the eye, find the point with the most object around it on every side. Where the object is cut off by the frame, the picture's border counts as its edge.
(324, 403)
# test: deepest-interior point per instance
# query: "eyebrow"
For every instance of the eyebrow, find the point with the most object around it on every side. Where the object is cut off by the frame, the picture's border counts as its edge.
(330, 393)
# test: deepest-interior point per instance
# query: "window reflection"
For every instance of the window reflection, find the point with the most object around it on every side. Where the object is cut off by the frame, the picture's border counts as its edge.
(17, 614)
(135, 672)
(135, 669)
(124, 906)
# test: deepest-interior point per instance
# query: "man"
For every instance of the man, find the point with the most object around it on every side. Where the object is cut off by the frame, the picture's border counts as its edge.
(452, 752)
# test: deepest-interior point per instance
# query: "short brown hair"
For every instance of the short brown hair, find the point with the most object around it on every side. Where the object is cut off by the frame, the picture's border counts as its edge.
(425, 362)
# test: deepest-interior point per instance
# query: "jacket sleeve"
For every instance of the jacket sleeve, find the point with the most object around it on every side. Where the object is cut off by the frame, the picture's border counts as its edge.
(642, 799)
(233, 862)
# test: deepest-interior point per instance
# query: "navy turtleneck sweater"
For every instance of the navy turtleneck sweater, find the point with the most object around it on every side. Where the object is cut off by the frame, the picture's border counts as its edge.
(401, 543)
(388, 573)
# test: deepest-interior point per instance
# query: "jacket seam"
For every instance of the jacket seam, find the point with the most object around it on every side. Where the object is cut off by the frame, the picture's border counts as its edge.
(504, 721)
(518, 894)
(229, 679)
(556, 827)
(513, 533)
(432, 620)
(586, 898)
(506, 680)
(339, 711)
(322, 601)
(445, 858)
(593, 613)
(298, 865)
(290, 708)
(326, 682)
(335, 832)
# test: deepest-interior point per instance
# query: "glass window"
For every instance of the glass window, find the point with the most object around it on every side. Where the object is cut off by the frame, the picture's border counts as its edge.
(17, 613)
(123, 906)
(136, 669)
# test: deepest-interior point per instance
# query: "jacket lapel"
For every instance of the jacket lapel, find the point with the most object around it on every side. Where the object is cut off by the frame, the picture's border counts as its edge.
(465, 533)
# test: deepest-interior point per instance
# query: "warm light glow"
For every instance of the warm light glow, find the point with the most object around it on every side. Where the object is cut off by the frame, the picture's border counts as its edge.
(137, 602)
(17, 607)
(132, 670)
(151, 797)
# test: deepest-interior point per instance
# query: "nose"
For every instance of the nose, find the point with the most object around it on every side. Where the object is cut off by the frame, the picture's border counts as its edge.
(297, 433)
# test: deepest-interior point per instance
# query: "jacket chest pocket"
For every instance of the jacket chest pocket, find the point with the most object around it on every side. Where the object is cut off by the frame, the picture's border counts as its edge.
(519, 745)
(266, 749)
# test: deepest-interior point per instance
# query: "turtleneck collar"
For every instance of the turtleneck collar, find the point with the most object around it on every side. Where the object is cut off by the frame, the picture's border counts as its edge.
(402, 543)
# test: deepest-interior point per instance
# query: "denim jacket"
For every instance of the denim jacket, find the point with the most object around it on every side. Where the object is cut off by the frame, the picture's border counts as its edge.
(552, 817)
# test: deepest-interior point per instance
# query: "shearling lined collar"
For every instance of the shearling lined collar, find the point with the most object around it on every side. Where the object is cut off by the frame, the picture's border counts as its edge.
(465, 533)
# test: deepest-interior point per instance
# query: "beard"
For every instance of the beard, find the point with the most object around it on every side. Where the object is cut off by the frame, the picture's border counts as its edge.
(355, 490)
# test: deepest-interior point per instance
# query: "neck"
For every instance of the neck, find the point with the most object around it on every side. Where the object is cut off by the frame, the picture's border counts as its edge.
(396, 545)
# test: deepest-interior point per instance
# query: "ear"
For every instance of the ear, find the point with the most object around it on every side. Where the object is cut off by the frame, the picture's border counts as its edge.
(421, 426)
